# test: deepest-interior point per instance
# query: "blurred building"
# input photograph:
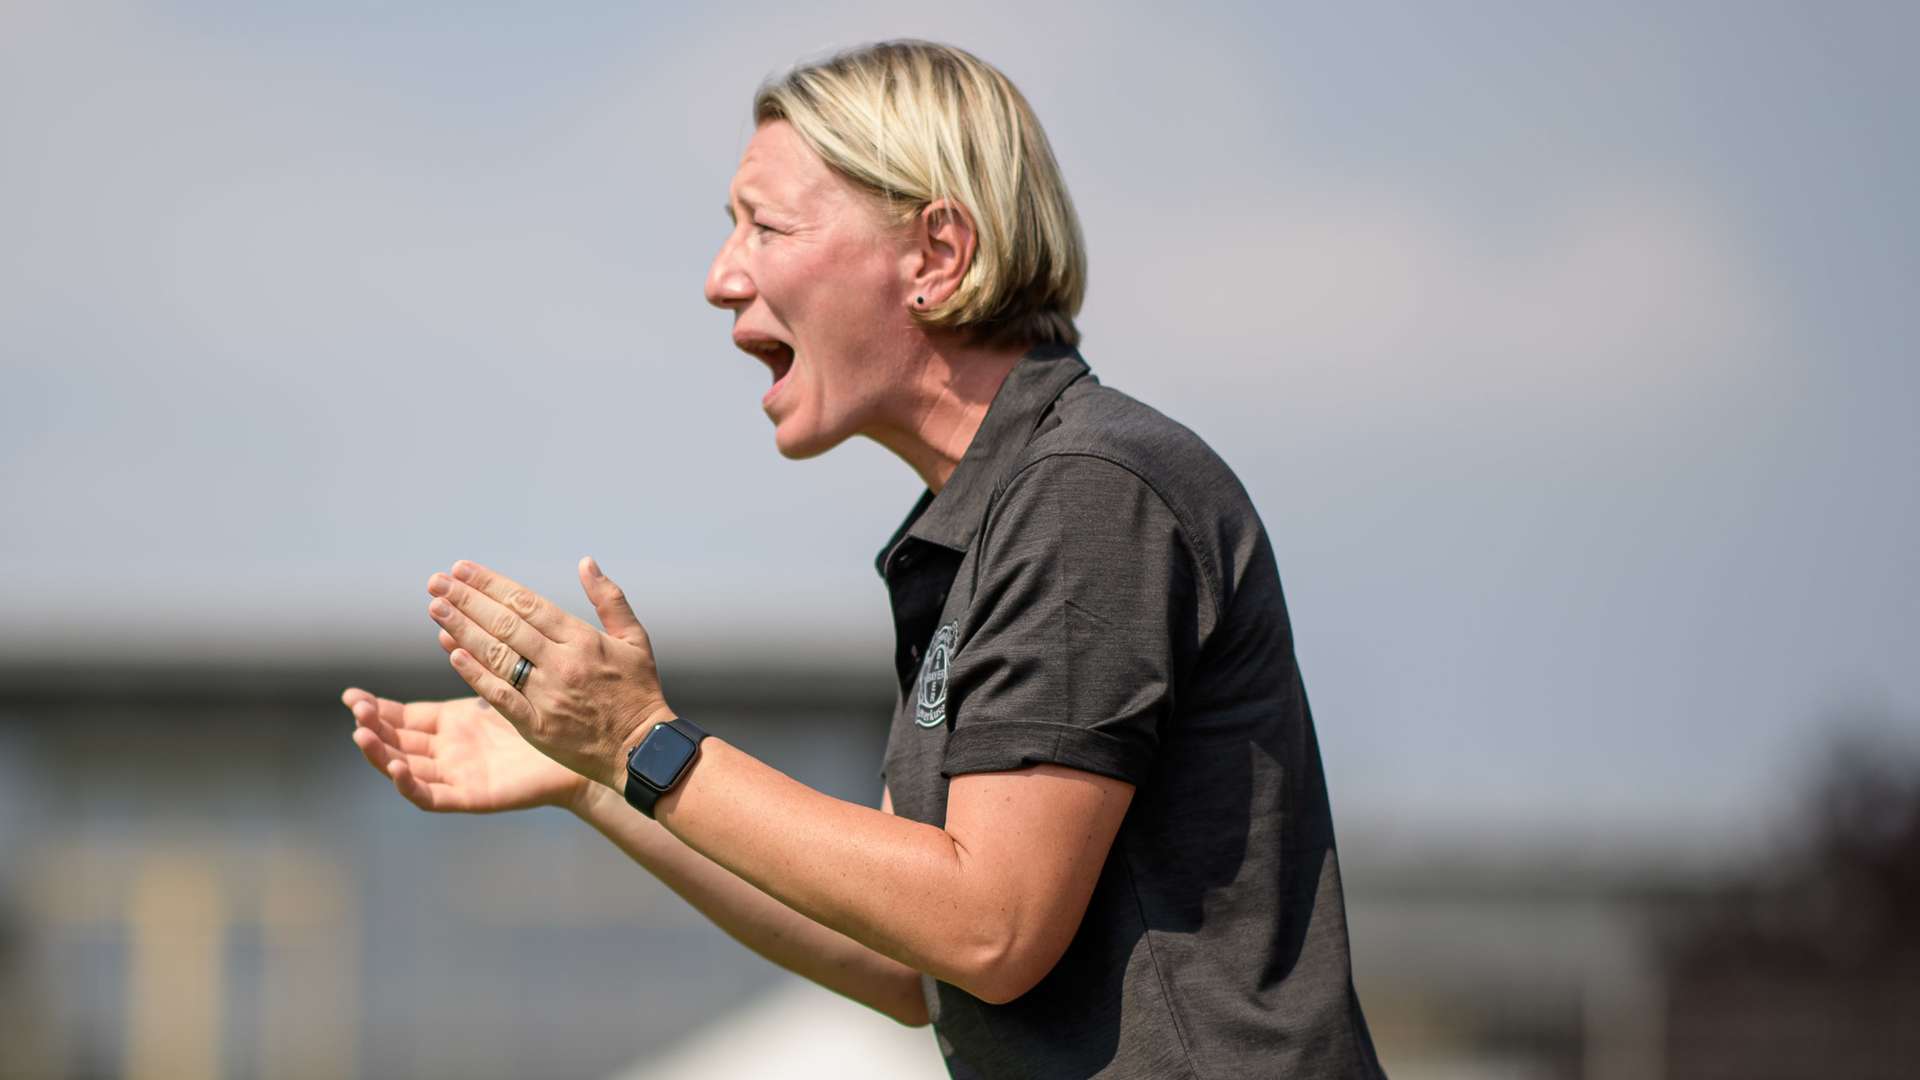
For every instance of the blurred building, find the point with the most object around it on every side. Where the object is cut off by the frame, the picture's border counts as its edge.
(199, 876)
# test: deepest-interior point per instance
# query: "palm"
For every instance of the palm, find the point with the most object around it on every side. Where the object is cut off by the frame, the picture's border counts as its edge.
(459, 756)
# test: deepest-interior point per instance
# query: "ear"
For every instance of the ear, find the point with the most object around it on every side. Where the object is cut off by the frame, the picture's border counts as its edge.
(944, 245)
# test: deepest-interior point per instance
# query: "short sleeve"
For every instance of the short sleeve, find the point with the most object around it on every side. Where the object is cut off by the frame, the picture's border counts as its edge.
(1084, 614)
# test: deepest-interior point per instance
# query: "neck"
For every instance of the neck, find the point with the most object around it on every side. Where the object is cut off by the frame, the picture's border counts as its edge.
(953, 386)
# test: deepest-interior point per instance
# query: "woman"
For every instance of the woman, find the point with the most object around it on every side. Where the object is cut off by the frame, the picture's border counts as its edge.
(1104, 846)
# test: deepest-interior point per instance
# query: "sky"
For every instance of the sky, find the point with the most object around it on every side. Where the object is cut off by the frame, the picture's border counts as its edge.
(1568, 354)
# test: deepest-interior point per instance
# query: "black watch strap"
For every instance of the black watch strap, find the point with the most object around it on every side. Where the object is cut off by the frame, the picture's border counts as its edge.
(654, 767)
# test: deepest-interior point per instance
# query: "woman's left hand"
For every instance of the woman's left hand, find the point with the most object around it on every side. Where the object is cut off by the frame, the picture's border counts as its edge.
(590, 696)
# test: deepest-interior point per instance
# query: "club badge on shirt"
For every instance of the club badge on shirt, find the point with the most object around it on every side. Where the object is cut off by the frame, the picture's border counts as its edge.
(930, 695)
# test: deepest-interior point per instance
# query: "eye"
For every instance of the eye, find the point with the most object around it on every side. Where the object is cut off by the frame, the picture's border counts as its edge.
(763, 228)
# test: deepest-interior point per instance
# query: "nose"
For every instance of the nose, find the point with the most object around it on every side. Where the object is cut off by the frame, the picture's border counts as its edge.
(728, 285)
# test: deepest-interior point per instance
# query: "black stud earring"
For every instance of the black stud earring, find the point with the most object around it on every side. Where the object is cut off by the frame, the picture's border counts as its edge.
(920, 300)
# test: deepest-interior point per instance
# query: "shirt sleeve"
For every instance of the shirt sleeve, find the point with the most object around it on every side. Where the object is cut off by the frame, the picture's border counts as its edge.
(1084, 614)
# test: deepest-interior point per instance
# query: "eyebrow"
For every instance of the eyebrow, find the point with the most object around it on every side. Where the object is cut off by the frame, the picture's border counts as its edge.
(744, 201)
(748, 200)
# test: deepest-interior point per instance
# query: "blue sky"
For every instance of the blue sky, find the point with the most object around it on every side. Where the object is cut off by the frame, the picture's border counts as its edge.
(1569, 354)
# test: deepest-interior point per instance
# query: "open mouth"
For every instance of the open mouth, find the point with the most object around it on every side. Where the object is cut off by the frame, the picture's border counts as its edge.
(776, 354)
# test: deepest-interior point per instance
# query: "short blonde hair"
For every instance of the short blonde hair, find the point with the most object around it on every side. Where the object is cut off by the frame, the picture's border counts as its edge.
(914, 122)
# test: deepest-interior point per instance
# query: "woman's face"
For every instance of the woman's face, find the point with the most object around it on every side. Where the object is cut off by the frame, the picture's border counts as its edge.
(817, 285)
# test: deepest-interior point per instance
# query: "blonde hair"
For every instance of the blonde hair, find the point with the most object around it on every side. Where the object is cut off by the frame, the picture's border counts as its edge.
(914, 122)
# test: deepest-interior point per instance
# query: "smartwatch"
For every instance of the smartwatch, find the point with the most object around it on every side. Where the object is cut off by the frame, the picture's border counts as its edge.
(661, 761)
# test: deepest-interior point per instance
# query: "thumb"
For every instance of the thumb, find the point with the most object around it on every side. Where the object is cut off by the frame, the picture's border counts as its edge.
(611, 604)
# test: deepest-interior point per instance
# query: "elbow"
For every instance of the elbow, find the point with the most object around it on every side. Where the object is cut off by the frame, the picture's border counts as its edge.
(1001, 991)
(1003, 973)
(1005, 984)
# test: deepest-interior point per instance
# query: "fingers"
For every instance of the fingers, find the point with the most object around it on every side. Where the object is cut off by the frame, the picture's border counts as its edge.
(379, 753)
(415, 776)
(536, 610)
(406, 740)
(413, 716)
(420, 716)
(493, 690)
(422, 792)
(385, 757)
(396, 744)
(364, 707)
(610, 603)
(410, 787)
(481, 625)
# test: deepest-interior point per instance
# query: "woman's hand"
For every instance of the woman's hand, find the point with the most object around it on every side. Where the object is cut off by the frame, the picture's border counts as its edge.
(457, 756)
(590, 696)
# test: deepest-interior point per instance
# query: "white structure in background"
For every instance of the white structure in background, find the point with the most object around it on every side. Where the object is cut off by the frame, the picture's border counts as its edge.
(799, 1031)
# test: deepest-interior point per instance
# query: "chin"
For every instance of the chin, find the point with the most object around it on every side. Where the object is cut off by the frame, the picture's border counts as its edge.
(797, 444)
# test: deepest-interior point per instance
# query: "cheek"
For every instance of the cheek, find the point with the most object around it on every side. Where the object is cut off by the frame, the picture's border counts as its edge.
(838, 302)
(841, 305)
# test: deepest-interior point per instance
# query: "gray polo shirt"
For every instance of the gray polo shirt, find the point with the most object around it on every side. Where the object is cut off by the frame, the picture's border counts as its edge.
(1093, 589)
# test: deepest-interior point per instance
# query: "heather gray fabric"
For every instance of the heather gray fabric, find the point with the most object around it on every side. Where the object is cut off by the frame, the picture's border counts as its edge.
(1092, 588)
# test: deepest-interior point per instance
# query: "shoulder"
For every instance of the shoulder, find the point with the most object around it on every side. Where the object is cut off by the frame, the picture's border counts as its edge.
(1096, 421)
(1098, 442)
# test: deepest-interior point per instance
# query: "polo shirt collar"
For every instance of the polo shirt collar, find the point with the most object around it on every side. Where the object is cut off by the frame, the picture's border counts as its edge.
(951, 517)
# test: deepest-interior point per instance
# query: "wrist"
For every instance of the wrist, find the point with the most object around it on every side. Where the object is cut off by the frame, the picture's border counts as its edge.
(658, 716)
(584, 800)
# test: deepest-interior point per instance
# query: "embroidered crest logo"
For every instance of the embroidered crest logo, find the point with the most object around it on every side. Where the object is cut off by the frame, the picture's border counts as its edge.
(930, 699)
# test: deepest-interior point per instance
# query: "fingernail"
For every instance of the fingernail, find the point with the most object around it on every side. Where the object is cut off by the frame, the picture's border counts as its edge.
(438, 585)
(463, 570)
(593, 567)
(440, 608)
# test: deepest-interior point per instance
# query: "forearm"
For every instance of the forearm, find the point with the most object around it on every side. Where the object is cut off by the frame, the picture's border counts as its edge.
(755, 919)
(900, 888)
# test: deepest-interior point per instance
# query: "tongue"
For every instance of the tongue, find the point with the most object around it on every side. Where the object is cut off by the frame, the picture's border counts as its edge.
(783, 367)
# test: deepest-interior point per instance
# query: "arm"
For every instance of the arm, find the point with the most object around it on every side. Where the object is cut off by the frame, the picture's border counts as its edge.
(755, 919)
(988, 903)
(462, 757)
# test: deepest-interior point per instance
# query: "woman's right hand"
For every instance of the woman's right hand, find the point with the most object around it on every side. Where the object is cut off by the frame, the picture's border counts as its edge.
(457, 756)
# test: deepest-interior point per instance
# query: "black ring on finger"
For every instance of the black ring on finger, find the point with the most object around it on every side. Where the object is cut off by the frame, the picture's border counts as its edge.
(520, 672)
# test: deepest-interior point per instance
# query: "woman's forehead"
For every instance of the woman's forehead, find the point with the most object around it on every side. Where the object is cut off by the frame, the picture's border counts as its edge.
(779, 168)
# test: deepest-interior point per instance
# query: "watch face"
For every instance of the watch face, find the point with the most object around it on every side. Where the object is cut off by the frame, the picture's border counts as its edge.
(660, 757)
